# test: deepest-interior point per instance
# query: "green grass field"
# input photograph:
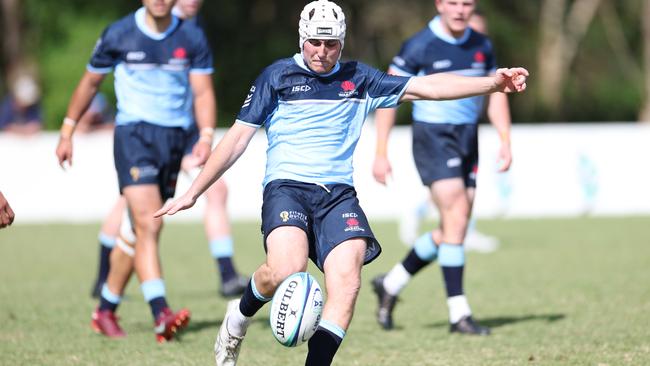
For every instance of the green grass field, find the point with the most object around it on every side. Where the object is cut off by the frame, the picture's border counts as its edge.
(557, 292)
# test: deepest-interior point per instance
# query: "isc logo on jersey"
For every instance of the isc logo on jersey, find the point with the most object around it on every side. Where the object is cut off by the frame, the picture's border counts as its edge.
(296, 309)
(300, 88)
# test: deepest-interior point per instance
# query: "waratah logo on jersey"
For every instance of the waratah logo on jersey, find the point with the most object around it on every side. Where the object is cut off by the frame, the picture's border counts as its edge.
(351, 222)
(349, 89)
(180, 52)
(479, 60)
(179, 56)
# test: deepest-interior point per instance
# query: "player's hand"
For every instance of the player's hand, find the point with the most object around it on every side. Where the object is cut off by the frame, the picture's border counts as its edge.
(505, 158)
(64, 151)
(6, 213)
(201, 151)
(511, 80)
(171, 207)
(189, 162)
(381, 169)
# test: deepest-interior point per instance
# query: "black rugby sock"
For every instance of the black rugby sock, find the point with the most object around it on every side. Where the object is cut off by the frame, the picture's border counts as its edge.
(249, 303)
(104, 263)
(413, 264)
(322, 347)
(226, 269)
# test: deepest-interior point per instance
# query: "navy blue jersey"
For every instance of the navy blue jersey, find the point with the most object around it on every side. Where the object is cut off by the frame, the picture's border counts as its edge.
(432, 51)
(152, 69)
(313, 121)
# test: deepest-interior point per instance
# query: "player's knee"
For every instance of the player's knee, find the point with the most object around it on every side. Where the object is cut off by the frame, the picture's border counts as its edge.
(148, 226)
(218, 193)
(272, 276)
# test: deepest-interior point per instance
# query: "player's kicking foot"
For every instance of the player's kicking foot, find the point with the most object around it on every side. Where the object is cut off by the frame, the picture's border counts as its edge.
(169, 323)
(227, 346)
(386, 303)
(105, 322)
(234, 287)
(467, 325)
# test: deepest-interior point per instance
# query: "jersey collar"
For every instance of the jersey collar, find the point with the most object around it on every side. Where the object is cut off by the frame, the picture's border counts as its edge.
(436, 27)
(297, 58)
(142, 26)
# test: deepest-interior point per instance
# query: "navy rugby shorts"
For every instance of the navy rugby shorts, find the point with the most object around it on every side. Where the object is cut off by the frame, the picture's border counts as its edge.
(329, 215)
(191, 137)
(445, 150)
(148, 154)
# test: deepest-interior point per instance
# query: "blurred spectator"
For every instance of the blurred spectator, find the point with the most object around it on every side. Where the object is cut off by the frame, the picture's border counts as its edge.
(100, 116)
(20, 111)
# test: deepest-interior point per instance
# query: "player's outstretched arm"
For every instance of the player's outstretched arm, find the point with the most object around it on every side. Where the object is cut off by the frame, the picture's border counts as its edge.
(444, 86)
(79, 103)
(223, 156)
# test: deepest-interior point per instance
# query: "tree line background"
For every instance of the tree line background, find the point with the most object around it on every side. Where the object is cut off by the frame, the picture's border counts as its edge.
(589, 59)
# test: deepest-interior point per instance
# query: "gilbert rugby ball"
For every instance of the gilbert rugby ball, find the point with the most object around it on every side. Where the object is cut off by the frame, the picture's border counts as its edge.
(296, 309)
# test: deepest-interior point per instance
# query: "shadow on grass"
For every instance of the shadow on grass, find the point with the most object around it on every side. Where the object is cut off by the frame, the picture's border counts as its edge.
(199, 325)
(499, 321)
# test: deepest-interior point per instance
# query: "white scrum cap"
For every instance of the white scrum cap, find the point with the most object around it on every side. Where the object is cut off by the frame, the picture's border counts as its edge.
(321, 19)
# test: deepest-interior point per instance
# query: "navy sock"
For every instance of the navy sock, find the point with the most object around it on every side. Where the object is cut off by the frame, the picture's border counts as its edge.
(157, 305)
(250, 303)
(452, 263)
(412, 263)
(107, 305)
(322, 347)
(226, 269)
(108, 300)
(453, 280)
(104, 263)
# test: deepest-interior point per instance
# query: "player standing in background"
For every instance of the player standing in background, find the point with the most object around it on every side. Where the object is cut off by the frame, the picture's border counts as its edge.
(6, 213)
(409, 223)
(163, 82)
(445, 149)
(313, 108)
(216, 220)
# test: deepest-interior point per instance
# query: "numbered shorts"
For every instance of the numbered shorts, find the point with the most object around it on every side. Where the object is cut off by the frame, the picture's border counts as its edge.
(148, 154)
(445, 150)
(329, 215)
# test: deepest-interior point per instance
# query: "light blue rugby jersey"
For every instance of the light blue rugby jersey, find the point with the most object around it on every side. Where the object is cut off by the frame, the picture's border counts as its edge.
(432, 51)
(313, 122)
(152, 69)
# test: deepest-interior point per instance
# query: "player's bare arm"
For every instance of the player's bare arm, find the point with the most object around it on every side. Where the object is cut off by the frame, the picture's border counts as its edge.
(205, 112)
(384, 122)
(498, 112)
(79, 103)
(229, 149)
(444, 86)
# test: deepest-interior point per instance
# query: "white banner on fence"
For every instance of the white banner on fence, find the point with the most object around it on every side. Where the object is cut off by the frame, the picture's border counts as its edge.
(558, 170)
